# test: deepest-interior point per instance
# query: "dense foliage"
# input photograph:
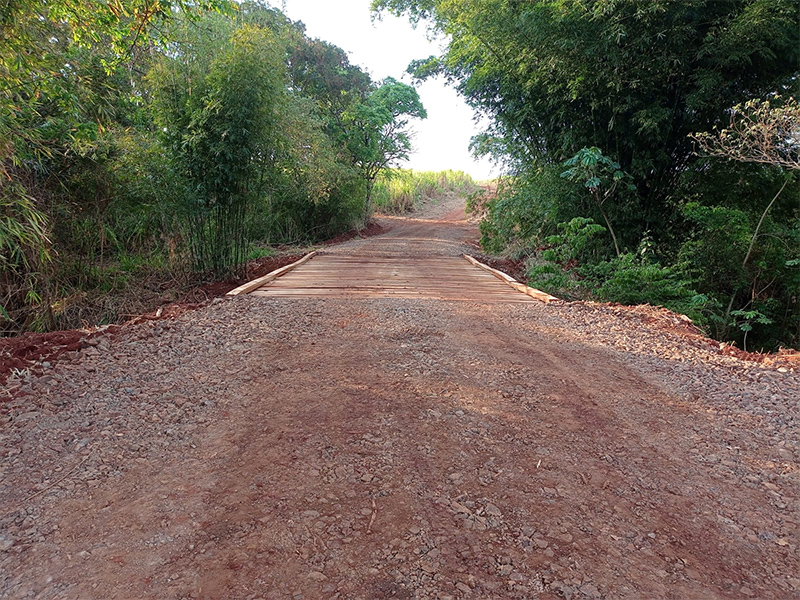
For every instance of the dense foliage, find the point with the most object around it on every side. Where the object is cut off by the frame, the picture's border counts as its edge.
(143, 143)
(635, 83)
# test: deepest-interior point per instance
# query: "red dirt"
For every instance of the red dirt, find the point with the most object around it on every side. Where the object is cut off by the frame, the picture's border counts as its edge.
(515, 268)
(374, 228)
(30, 349)
(656, 317)
(402, 448)
(255, 268)
(25, 351)
(662, 319)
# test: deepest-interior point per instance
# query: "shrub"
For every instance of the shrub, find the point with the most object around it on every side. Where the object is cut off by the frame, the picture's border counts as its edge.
(569, 268)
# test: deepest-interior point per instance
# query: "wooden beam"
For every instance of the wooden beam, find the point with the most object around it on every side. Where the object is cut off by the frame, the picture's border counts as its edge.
(510, 281)
(257, 283)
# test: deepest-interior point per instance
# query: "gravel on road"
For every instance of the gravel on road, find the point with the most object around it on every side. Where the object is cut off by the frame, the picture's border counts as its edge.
(401, 448)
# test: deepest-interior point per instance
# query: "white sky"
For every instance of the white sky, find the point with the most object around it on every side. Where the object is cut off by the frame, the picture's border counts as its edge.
(384, 49)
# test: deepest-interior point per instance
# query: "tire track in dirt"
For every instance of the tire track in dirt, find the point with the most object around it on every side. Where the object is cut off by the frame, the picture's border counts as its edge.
(392, 448)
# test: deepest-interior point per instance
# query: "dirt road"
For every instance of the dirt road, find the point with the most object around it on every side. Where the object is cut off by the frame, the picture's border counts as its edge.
(402, 448)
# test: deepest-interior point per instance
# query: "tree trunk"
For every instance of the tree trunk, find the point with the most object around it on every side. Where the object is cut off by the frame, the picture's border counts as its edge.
(610, 229)
(752, 245)
(368, 199)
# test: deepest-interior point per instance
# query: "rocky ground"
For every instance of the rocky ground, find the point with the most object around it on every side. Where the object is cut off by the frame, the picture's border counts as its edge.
(390, 448)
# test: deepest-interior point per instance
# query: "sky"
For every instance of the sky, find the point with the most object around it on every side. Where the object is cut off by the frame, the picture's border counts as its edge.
(384, 48)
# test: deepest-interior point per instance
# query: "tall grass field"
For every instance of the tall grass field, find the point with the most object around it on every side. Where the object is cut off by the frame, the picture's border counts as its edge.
(400, 190)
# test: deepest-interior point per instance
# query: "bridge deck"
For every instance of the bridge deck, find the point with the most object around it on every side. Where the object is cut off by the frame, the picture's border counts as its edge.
(337, 276)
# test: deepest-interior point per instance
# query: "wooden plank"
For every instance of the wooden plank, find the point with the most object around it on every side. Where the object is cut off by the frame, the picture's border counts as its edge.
(364, 289)
(477, 275)
(374, 285)
(374, 290)
(506, 278)
(511, 299)
(429, 281)
(384, 277)
(257, 283)
(370, 289)
(427, 274)
(396, 260)
(322, 265)
(384, 292)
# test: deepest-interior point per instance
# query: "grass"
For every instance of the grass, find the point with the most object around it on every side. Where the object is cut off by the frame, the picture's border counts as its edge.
(400, 190)
(255, 252)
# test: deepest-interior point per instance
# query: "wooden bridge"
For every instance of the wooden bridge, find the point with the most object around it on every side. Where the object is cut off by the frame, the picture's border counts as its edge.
(438, 278)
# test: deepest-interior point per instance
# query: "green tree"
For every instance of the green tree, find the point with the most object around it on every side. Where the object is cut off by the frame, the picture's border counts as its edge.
(218, 102)
(633, 78)
(136, 135)
(376, 130)
(62, 86)
(601, 176)
(321, 71)
(763, 132)
(636, 79)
